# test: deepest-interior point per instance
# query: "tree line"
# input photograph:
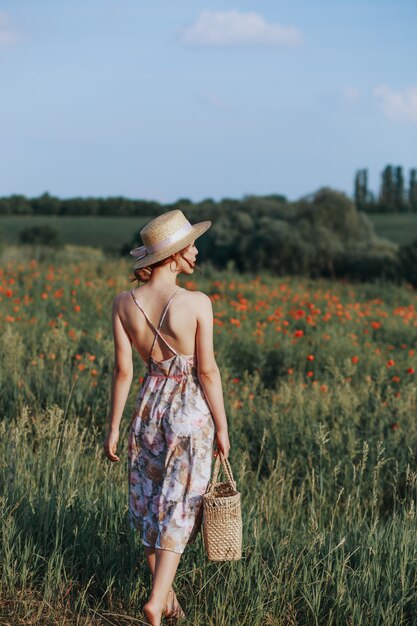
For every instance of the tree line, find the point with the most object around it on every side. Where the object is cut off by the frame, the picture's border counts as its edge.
(394, 196)
(320, 235)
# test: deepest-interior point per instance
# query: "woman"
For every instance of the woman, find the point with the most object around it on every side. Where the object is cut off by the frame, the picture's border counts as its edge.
(179, 413)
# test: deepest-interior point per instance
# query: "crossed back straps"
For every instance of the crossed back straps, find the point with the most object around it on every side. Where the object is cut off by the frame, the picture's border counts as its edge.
(157, 333)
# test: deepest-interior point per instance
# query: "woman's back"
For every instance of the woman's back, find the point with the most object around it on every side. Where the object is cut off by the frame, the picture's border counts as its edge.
(142, 311)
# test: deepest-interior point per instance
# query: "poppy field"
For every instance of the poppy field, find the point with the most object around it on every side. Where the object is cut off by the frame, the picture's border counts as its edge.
(320, 388)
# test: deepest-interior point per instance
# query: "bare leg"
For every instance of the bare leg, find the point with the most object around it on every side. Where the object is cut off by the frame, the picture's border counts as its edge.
(172, 607)
(165, 569)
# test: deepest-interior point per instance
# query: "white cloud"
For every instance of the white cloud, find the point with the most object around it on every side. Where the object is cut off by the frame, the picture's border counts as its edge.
(8, 35)
(229, 28)
(398, 105)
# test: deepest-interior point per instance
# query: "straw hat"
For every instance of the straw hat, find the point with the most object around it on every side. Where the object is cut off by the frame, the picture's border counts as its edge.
(164, 235)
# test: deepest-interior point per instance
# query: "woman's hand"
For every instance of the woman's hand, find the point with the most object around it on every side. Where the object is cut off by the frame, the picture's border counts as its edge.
(222, 442)
(110, 444)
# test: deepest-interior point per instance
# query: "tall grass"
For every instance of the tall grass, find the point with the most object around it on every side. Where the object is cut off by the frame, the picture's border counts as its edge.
(327, 539)
(325, 463)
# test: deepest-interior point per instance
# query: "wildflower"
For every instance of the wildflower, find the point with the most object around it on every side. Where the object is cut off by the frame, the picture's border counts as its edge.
(235, 380)
(298, 333)
(411, 370)
(94, 372)
(44, 295)
(395, 379)
(390, 363)
(324, 388)
(395, 426)
(310, 373)
(310, 357)
(77, 308)
(354, 359)
(290, 371)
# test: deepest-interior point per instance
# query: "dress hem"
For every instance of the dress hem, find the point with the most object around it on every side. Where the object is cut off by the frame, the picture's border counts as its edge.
(159, 548)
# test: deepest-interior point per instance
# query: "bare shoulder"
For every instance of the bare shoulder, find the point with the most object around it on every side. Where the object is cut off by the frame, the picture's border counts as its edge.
(120, 299)
(199, 297)
(200, 301)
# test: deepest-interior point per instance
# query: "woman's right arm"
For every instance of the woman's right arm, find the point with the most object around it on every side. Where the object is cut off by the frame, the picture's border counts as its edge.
(209, 373)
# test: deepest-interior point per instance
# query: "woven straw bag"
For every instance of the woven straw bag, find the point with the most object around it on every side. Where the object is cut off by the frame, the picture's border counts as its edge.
(222, 516)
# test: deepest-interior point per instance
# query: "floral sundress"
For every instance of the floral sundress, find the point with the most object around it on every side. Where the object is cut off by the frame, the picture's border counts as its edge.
(170, 450)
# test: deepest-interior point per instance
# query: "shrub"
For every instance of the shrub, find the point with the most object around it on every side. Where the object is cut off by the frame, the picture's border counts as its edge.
(407, 258)
(43, 235)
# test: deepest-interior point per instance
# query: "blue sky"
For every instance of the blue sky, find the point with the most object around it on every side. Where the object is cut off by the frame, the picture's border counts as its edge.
(168, 99)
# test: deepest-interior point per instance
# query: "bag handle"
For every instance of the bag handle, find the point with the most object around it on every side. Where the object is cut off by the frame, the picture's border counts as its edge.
(227, 470)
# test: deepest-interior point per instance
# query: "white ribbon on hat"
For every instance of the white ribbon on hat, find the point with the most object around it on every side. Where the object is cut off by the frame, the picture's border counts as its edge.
(159, 245)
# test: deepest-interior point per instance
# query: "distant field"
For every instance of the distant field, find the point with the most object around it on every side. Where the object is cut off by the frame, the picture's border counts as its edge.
(113, 232)
(401, 228)
(103, 232)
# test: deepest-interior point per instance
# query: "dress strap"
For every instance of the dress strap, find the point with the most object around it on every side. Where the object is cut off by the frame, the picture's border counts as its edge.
(160, 324)
(157, 333)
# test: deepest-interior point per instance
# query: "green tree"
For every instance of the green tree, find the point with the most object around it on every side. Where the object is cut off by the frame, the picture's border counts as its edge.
(400, 203)
(388, 195)
(412, 191)
(361, 189)
(407, 256)
(46, 205)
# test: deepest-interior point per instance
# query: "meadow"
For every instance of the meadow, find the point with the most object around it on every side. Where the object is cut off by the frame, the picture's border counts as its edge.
(110, 232)
(102, 232)
(319, 382)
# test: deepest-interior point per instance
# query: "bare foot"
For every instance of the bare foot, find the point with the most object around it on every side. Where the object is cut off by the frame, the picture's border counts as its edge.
(153, 613)
(173, 608)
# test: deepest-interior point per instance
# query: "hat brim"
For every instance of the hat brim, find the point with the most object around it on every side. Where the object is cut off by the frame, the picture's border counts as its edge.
(197, 230)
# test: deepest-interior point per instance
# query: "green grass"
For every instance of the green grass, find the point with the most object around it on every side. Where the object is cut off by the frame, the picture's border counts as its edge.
(321, 397)
(110, 233)
(398, 227)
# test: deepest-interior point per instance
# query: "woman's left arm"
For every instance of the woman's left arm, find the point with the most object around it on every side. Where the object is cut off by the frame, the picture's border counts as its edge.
(121, 380)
